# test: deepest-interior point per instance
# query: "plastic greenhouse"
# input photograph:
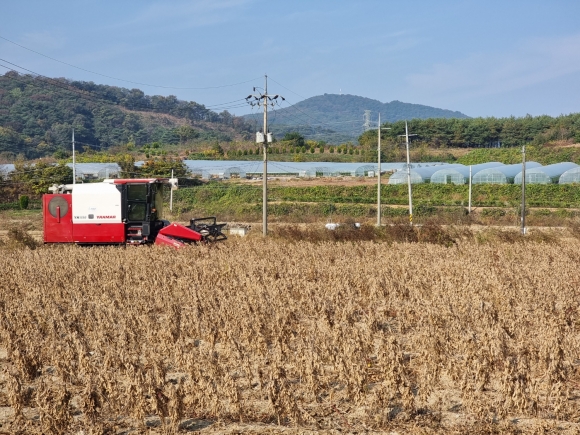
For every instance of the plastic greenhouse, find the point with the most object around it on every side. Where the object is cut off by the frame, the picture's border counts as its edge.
(363, 171)
(546, 174)
(570, 176)
(5, 170)
(96, 170)
(316, 171)
(200, 172)
(460, 175)
(501, 174)
(419, 175)
(234, 170)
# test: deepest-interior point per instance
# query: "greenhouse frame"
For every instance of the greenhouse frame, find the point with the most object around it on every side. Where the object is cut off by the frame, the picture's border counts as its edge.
(549, 174)
(501, 174)
(419, 174)
(460, 175)
(363, 171)
(570, 176)
(234, 170)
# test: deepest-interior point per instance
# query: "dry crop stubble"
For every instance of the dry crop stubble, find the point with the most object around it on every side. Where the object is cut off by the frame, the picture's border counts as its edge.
(350, 336)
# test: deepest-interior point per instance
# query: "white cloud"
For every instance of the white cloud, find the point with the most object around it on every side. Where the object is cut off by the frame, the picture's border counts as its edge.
(531, 63)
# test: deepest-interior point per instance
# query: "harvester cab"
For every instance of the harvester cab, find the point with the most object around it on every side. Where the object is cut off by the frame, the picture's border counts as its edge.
(119, 211)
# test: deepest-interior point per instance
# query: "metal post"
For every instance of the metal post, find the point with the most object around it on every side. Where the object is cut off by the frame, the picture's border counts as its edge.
(73, 152)
(469, 189)
(265, 176)
(171, 195)
(379, 176)
(523, 228)
(409, 176)
(379, 169)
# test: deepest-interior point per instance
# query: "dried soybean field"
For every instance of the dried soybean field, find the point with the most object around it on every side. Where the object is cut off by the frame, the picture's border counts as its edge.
(273, 336)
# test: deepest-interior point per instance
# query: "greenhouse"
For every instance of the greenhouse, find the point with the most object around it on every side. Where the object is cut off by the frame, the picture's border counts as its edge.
(570, 176)
(5, 170)
(314, 171)
(501, 174)
(93, 171)
(549, 174)
(201, 173)
(363, 171)
(234, 170)
(460, 175)
(419, 174)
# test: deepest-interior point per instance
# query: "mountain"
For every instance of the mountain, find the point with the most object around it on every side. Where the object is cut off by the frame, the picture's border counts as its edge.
(38, 114)
(338, 118)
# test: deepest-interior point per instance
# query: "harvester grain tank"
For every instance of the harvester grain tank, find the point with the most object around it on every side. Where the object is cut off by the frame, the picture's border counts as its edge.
(119, 211)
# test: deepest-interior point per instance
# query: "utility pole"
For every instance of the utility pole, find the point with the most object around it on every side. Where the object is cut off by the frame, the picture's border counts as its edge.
(469, 209)
(265, 137)
(409, 173)
(523, 228)
(171, 192)
(379, 175)
(73, 152)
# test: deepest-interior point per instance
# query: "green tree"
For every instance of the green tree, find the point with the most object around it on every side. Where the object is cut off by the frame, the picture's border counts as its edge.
(38, 177)
(186, 132)
(162, 168)
(217, 149)
(23, 201)
(127, 164)
(294, 139)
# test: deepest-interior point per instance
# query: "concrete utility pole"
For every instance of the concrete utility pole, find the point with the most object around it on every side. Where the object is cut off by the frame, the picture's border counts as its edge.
(379, 175)
(523, 228)
(469, 209)
(265, 137)
(409, 173)
(73, 152)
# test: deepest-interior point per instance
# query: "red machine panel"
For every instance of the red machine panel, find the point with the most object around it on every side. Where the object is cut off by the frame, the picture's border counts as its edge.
(57, 212)
(99, 233)
(181, 232)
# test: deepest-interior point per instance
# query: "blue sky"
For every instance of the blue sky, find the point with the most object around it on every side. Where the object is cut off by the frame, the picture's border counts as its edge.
(492, 58)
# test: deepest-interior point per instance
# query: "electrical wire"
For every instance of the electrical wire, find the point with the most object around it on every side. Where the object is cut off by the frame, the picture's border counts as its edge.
(127, 81)
(85, 94)
(321, 123)
(96, 98)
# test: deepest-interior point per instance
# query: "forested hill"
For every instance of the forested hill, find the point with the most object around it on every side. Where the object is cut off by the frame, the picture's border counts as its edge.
(335, 118)
(37, 115)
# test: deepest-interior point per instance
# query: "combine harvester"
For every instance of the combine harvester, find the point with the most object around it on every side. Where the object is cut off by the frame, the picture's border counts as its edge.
(119, 212)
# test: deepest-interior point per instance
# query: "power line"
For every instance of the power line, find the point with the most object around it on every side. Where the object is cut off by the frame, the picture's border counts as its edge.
(287, 88)
(126, 81)
(97, 98)
(91, 97)
(297, 108)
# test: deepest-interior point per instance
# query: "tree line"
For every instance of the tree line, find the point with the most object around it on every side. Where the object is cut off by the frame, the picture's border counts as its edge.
(480, 132)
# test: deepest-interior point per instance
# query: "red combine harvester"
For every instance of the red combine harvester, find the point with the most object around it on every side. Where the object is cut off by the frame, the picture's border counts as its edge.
(119, 211)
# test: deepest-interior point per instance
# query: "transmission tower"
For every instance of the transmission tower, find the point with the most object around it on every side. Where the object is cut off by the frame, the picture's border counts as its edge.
(367, 125)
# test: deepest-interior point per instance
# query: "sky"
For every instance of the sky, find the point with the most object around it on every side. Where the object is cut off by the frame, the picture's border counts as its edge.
(482, 58)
